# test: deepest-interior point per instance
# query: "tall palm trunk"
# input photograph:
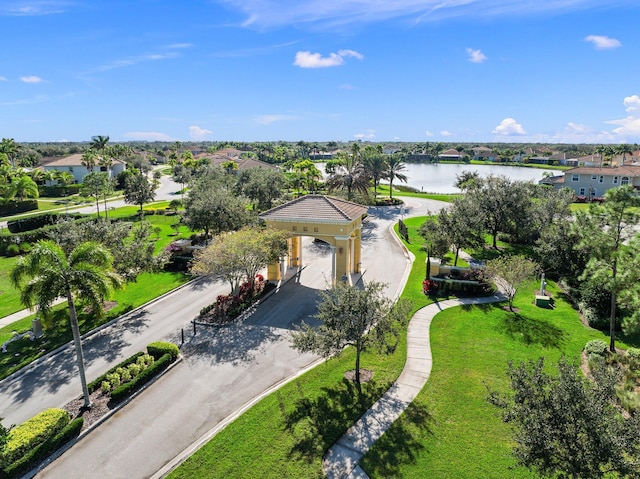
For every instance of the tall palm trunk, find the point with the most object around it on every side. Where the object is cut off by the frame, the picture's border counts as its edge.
(75, 329)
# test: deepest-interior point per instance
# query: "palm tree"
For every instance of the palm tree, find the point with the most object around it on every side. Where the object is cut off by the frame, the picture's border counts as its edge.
(395, 166)
(600, 149)
(350, 174)
(99, 142)
(623, 149)
(89, 160)
(64, 177)
(9, 147)
(48, 273)
(23, 187)
(376, 167)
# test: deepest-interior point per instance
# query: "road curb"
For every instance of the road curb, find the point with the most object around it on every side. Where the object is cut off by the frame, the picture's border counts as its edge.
(22, 371)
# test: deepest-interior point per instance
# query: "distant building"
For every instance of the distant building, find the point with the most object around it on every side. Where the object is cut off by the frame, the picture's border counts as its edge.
(73, 164)
(592, 181)
(452, 154)
(484, 153)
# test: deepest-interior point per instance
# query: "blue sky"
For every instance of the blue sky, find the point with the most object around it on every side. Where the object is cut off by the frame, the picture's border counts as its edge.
(319, 70)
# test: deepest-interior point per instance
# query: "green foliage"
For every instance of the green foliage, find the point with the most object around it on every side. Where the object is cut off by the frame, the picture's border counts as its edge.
(596, 346)
(33, 432)
(43, 450)
(567, 426)
(13, 250)
(160, 348)
(16, 207)
(634, 353)
(126, 389)
(351, 316)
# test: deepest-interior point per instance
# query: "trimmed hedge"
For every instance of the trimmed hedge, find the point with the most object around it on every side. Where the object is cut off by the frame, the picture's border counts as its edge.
(125, 390)
(44, 450)
(97, 383)
(34, 432)
(59, 191)
(16, 207)
(37, 221)
(160, 348)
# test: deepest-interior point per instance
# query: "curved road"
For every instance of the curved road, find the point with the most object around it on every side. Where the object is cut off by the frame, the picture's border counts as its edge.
(222, 368)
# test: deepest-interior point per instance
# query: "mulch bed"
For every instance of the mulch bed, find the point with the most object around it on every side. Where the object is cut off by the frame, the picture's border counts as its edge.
(102, 405)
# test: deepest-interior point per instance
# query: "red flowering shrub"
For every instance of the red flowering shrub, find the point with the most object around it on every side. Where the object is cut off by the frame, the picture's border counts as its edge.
(429, 287)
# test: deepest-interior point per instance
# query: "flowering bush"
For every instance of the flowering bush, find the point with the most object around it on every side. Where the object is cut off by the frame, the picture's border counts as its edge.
(429, 287)
(230, 306)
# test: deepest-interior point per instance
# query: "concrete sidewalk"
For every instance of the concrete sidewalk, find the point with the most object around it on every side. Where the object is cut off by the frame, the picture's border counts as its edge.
(341, 460)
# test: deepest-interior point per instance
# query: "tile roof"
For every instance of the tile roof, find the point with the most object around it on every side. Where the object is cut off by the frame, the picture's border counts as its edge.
(316, 207)
(626, 170)
(73, 160)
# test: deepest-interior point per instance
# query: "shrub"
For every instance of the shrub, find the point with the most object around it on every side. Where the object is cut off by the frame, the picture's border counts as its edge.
(134, 369)
(97, 383)
(25, 248)
(160, 348)
(125, 390)
(125, 375)
(145, 360)
(43, 450)
(33, 432)
(105, 386)
(13, 250)
(114, 379)
(633, 353)
(596, 346)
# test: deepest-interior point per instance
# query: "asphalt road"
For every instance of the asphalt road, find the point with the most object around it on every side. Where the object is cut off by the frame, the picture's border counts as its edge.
(222, 368)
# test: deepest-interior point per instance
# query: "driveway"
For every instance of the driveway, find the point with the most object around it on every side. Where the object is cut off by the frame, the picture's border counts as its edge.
(223, 368)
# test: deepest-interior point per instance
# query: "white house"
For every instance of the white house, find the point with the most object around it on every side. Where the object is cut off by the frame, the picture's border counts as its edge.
(591, 181)
(73, 164)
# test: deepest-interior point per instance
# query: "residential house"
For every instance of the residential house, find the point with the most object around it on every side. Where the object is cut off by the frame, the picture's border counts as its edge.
(484, 153)
(452, 154)
(73, 164)
(590, 181)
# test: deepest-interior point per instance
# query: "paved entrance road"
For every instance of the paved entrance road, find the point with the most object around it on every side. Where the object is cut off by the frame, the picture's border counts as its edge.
(222, 370)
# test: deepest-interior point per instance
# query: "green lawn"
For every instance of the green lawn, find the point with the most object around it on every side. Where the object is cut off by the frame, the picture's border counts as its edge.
(9, 296)
(449, 431)
(148, 287)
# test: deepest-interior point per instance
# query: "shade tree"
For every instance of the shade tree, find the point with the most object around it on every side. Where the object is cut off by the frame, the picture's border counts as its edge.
(48, 273)
(353, 316)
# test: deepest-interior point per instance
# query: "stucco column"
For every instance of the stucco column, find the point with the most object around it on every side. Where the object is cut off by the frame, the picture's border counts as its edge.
(333, 265)
(357, 250)
(342, 257)
(274, 271)
(296, 251)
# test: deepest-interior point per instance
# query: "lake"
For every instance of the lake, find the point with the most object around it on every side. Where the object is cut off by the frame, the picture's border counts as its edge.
(440, 177)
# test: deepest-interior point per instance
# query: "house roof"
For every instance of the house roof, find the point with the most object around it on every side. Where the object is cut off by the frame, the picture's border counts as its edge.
(316, 207)
(73, 160)
(552, 180)
(626, 170)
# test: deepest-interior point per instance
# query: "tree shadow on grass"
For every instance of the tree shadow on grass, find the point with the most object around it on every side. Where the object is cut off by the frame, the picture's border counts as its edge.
(533, 331)
(485, 307)
(316, 423)
(401, 443)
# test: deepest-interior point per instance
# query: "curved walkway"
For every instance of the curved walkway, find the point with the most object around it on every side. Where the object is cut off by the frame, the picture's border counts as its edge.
(341, 460)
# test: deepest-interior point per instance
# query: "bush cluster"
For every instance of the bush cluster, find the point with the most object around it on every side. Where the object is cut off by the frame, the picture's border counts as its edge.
(43, 450)
(124, 374)
(125, 390)
(34, 431)
(97, 383)
(597, 347)
(230, 306)
(160, 348)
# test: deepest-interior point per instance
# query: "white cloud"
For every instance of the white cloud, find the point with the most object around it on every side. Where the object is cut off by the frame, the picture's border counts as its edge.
(369, 135)
(180, 45)
(346, 86)
(509, 127)
(428, 133)
(31, 79)
(632, 103)
(445, 133)
(602, 42)
(34, 8)
(197, 133)
(148, 136)
(339, 14)
(3, 79)
(476, 56)
(306, 59)
(268, 119)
